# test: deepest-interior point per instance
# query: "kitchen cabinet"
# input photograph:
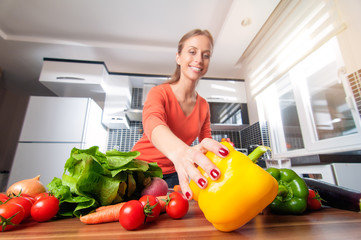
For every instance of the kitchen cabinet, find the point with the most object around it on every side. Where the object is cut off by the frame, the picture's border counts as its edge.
(310, 110)
(52, 127)
(74, 78)
(327, 223)
(222, 90)
(341, 174)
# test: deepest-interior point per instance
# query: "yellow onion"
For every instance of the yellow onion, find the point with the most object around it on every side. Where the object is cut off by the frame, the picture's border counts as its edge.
(31, 187)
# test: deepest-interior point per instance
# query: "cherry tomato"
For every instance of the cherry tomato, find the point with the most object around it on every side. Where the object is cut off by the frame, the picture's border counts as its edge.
(131, 215)
(25, 195)
(45, 209)
(177, 205)
(41, 195)
(313, 200)
(27, 203)
(151, 206)
(11, 214)
(22, 195)
(3, 197)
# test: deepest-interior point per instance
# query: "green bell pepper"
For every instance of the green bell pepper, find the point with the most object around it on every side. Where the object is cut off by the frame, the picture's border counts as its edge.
(292, 192)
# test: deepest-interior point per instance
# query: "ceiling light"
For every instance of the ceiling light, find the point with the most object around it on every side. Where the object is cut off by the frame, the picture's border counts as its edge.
(246, 22)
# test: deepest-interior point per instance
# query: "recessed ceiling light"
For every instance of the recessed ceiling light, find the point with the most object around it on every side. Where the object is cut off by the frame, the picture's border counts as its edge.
(246, 22)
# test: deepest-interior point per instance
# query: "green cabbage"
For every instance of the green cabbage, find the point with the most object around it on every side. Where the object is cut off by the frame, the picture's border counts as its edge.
(92, 179)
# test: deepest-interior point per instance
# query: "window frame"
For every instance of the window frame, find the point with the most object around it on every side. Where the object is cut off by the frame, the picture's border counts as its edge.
(311, 143)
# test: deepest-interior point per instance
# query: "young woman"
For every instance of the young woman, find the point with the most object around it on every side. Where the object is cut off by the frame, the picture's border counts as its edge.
(174, 115)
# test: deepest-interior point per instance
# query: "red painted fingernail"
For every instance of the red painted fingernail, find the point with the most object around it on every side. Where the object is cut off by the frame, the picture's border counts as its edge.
(202, 182)
(223, 152)
(188, 195)
(214, 173)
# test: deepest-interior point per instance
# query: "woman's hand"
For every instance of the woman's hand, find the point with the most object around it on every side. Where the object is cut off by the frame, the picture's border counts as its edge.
(187, 160)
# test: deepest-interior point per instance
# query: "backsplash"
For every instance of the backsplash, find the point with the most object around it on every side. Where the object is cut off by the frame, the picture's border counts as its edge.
(137, 97)
(124, 139)
(255, 134)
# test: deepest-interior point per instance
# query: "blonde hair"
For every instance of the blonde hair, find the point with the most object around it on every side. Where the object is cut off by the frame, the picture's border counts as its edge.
(195, 32)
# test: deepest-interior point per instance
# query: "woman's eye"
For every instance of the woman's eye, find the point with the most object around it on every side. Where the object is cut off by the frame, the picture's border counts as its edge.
(192, 52)
(206, 56)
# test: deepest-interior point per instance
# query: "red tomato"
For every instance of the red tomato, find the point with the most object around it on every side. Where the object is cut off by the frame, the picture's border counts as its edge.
(313, 200)
(25, 195)
(41, 195)
(31, 199)
(45, 209)
(131, 215)
(151, 206)
(23, 201)
(177, 206)
(3, 197)
(11, 215)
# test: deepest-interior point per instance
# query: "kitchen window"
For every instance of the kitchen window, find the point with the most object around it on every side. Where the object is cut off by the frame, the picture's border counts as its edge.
(309, 109)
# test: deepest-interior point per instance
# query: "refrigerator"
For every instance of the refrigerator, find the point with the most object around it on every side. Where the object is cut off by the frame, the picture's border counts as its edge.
(52, 127)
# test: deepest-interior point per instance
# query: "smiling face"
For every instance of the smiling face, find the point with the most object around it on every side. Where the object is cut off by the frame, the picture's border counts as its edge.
(194, 57)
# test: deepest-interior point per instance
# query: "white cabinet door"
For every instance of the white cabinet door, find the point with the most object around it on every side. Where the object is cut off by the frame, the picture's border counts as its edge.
(44, 159)
(54, 119)
(341, 174)
(348, 175)
(322, 172)
(222, 90)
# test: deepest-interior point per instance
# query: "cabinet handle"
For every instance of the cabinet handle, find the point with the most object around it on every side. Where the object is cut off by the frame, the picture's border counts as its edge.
(70, 78)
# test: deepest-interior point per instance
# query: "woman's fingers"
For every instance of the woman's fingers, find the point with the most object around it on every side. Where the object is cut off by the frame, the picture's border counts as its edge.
(208, 166)
(183, 182)
(200, 159)
(195, 156)
(211, 145)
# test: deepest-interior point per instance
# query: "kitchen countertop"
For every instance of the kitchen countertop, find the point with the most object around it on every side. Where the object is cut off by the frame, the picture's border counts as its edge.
(327, 223)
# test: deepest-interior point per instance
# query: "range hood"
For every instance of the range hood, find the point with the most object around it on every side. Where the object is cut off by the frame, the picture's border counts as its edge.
(118, 122)
(139, 95)
(134, 115)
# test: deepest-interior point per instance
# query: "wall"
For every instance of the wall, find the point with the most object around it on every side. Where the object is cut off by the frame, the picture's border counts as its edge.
(349, 41)
(350, 38)
(12, 113)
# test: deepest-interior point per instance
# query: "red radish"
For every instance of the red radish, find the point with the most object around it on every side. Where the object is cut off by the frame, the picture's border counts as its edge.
(157, 187)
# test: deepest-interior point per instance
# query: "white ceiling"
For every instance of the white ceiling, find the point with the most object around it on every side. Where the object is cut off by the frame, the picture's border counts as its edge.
(129, 36)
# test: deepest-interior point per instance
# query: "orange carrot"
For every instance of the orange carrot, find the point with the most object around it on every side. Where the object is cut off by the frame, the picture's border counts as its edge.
(118, 205)
(110, 213)
(162, 203)
(177, 188)
(103, 214)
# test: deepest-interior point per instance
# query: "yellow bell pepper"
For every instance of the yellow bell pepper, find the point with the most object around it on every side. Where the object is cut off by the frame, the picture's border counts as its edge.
(243, 190)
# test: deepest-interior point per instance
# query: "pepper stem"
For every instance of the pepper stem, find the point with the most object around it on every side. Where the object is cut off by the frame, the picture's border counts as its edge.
(258, 152)
(282, 191)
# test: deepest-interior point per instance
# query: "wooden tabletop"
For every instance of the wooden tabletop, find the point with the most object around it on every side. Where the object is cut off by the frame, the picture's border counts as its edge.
(328, 223)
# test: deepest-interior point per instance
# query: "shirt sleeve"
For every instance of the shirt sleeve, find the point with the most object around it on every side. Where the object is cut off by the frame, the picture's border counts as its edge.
(154, 111)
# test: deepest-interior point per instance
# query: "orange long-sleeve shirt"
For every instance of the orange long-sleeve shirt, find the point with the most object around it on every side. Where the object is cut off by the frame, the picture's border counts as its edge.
(162, 108)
